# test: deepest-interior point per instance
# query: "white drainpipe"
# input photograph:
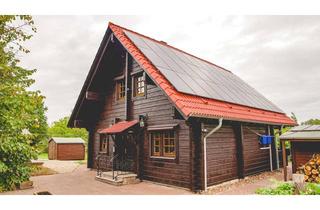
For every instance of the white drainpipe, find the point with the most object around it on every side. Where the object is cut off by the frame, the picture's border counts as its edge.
(205, 152)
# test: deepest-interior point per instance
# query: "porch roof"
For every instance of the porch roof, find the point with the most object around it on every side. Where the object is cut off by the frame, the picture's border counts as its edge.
(118, 127)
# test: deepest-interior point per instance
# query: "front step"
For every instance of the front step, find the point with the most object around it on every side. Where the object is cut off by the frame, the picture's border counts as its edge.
(123, 179)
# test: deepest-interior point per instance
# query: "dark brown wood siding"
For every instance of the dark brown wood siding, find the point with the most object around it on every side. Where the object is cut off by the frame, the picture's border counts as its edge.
(255, 159)
(221, 155)
(112, 109)
(159, 110)
(70, 151)
(302, 152)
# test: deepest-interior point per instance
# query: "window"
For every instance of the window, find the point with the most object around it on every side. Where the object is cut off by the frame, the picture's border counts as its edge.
(104, 144)
(163, 144)
(139, 85)
(121, 89)
(156, 144)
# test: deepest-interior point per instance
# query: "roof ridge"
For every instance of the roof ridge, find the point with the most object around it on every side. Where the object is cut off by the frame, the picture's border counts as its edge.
(165, 44)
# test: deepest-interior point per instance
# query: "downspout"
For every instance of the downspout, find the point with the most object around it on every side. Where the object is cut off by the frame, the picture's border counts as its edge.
(205, 152)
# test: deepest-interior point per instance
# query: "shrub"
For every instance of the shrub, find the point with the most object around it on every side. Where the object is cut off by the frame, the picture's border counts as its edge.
(283, 188)
(311, 189)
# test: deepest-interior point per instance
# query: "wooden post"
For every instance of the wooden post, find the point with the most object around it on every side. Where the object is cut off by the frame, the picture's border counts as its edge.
(238, 130)
(280, 148)
(90, 148)
(284, 160)
(126, 87)
(137, 142)
(274, 149)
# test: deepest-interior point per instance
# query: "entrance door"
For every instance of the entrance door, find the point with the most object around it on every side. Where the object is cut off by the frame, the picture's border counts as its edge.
(125, 149)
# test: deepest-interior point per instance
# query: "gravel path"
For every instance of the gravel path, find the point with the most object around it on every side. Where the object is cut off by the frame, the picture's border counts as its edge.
(61, 166)
(248, 185)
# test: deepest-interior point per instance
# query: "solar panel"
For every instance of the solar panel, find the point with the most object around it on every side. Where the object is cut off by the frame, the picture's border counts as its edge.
(194, 76)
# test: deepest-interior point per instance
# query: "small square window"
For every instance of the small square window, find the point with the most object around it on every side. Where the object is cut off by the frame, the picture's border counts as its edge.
(139, 85)
(104, 144)
(120, 89)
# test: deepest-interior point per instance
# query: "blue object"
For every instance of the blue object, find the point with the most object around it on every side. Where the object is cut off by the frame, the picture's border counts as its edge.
(265, 139)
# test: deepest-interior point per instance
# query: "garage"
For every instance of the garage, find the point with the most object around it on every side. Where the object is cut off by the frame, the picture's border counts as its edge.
(66, 149)
(222, 155)
(304, 142)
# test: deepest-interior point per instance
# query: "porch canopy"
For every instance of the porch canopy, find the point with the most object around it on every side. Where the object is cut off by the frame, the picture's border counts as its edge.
(118, 127)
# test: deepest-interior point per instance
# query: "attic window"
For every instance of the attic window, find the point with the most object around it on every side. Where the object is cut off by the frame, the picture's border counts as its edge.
(120, 87)
(139, 85)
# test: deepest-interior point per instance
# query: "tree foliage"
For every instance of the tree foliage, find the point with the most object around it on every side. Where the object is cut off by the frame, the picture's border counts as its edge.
(312, 122)
(60, 129)
(22, 111)
(294, 117)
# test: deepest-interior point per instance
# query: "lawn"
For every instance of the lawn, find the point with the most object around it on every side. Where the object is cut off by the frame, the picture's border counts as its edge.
(43, 156)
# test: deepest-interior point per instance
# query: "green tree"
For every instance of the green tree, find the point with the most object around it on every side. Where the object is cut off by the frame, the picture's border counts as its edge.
(59, 129)
(23, 123)
(312, 122)
(294, 117)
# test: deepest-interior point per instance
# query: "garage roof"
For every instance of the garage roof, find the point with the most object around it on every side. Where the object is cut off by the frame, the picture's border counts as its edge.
(302, 132)
(60, 140)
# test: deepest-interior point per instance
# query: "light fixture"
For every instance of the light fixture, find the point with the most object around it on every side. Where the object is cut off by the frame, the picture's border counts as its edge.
(142, 119)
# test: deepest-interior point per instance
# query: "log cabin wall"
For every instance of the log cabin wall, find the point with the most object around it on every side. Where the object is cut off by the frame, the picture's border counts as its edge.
(160, 111)
(227, 145)
(302, 152)
(196, 155)
(112, 109)
(222, 162)
(255, 159)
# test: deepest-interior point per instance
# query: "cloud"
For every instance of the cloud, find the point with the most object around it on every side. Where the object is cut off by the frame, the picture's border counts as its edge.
(277, 55)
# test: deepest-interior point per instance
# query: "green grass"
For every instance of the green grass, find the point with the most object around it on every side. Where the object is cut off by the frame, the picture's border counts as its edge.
(282, 188)
(41, 170)
(43, 156)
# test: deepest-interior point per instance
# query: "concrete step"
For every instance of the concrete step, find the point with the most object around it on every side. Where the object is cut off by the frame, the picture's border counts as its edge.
(123, 178)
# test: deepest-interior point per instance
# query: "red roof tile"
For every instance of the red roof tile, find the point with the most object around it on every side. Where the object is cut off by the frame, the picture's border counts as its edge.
(119, 127)
(191, 105)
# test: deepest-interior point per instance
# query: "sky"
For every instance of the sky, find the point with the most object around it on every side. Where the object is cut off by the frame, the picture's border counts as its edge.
(277, 55)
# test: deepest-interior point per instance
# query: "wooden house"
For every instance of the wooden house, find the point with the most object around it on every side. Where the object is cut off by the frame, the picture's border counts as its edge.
(66, 148)
(171, 117)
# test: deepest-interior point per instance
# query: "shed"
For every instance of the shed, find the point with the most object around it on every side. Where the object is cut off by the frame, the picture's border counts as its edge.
(66, 148)
(305, 141)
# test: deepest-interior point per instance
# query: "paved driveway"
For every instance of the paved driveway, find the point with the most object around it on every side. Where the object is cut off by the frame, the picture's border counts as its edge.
(81, 181)
(75, 179)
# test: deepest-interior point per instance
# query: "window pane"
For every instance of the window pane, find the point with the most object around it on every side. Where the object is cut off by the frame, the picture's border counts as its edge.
(171, 149)
(120, 87)
(139, 85)
(163, 143)
(155, 140)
